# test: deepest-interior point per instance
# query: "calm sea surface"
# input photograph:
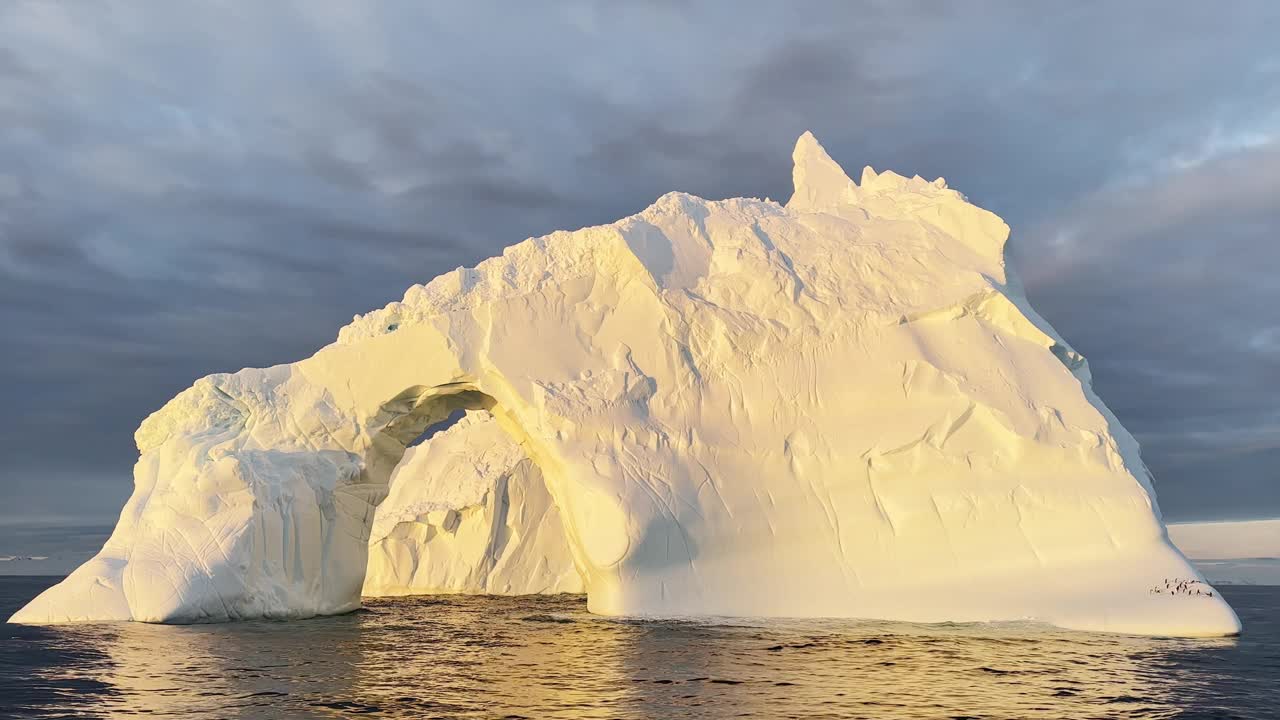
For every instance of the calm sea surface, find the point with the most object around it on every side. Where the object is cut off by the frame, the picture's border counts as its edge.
(547, 658)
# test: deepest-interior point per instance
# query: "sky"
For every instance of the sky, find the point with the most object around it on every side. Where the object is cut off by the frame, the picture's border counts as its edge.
(197, 187)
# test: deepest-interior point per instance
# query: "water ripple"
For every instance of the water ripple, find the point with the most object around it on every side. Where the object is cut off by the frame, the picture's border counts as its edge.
(548, 658)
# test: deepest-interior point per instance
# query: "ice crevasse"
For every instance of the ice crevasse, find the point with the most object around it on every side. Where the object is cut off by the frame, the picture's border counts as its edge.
(840, 407)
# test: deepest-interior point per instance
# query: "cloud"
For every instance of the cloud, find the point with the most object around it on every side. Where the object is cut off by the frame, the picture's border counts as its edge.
(197, 188)
(1166, 287)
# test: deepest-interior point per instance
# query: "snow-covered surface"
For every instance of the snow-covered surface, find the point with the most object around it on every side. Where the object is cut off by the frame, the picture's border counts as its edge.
(469, 512)
(1245, 552)
(843, 406)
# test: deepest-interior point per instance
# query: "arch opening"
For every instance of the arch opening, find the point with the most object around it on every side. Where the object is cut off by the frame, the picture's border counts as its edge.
(466, 507)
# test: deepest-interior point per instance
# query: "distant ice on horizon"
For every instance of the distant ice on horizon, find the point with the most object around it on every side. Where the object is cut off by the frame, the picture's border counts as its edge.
(1239, 552)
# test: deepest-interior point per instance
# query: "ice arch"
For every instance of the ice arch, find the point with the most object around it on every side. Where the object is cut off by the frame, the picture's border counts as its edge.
(256, 491)
(469, 512)
(498, 546)
(843, 406)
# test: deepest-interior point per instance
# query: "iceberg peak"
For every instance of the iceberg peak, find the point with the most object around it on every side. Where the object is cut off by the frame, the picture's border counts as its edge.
(819, 181)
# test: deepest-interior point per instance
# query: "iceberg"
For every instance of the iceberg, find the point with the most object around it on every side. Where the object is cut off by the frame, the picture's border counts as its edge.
(839, 407)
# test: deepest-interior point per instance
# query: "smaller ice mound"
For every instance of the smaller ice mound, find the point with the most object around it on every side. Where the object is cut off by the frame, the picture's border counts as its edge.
(469, 512)
(1243, 552)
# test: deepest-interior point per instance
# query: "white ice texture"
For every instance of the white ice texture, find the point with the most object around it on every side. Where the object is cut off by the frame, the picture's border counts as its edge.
(840, 407)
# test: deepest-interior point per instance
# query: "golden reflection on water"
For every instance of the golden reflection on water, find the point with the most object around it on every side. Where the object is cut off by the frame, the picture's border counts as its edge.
(546, 657)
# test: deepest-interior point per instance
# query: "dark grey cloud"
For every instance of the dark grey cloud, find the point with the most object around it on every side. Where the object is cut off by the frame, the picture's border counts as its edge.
(198, 188)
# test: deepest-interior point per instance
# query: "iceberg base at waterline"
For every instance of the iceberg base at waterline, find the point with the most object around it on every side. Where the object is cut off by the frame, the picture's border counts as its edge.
(840, 407)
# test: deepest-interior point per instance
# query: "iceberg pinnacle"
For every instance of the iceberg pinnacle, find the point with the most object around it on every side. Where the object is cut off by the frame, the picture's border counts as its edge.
(819, 181)
(844, 407)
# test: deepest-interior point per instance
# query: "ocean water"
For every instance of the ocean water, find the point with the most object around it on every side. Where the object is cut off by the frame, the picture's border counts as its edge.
(546, 657)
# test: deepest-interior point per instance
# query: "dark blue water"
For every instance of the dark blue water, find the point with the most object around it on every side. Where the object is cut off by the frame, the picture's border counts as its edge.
(547, 658)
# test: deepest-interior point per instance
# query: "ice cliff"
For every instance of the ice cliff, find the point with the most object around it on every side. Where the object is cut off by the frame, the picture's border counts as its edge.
(843, 406)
